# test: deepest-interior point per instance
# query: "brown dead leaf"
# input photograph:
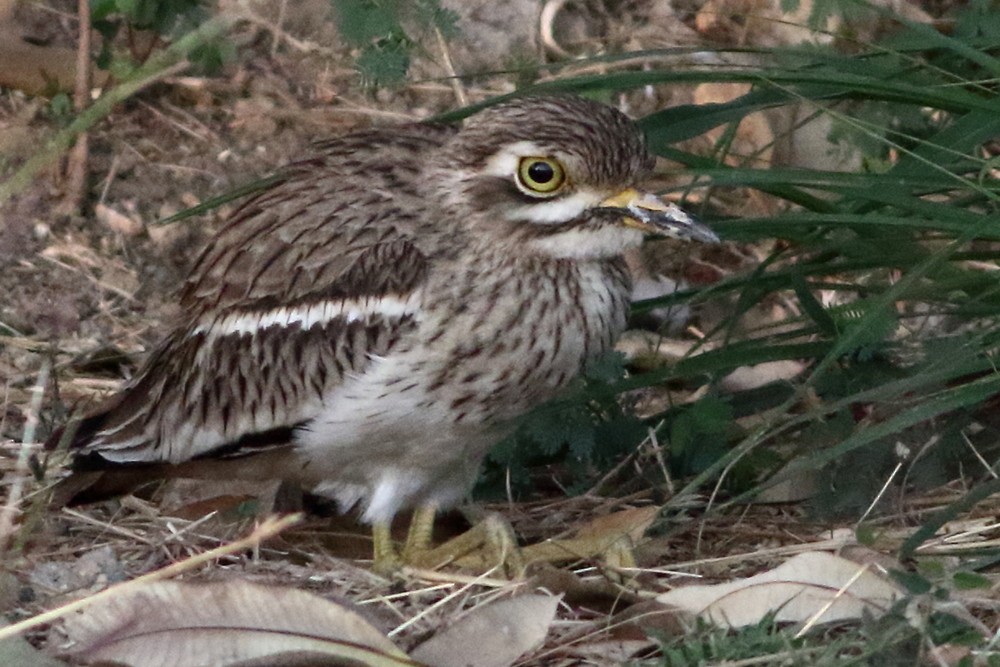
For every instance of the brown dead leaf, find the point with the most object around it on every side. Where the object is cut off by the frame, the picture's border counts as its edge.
(194, 498)
(117, 221)
(17, 651)
(626, 634)
(590, 592)
(493, 635)
(814, 586)
(653, 350)
(753, 377)
(38, 69)
(633, 522)
(596, 537)
(221, 624)
(761, 23)
(752, 144)
(166, 235)
(794, 485)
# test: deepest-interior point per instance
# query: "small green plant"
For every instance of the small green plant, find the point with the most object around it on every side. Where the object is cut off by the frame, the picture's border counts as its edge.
(61, 108)
(157, 21)
(767, 644)
(586, 431)
(387, 32)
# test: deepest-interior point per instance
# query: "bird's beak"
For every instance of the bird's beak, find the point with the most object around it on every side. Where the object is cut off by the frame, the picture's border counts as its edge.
(653, 215)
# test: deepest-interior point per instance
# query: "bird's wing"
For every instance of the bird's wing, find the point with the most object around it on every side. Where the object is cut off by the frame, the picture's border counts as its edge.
(304, 284)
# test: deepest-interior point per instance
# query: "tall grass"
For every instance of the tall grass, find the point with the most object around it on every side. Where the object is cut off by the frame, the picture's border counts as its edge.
(901, 362)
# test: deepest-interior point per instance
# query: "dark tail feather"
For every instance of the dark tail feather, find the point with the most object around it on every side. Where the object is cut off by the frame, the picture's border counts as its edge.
(81, 429)
(92, 486)
(95, 478)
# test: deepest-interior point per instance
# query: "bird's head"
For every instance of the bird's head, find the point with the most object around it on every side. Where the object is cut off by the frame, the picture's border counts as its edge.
(557, 176)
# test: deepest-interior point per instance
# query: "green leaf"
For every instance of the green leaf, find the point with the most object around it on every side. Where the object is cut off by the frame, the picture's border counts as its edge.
(360, 22)
(212, 56)
(865, 534)
(101, 9)
(970, 580)
(914, 583)
(430, 13)
(384, 64)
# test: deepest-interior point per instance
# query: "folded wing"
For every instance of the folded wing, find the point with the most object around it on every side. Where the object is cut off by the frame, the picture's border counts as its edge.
(303, 285)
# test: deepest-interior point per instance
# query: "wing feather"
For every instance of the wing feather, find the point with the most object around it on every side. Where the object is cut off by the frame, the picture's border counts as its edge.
(304, 284)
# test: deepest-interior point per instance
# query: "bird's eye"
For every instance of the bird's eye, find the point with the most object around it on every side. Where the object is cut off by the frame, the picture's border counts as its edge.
(540, 175)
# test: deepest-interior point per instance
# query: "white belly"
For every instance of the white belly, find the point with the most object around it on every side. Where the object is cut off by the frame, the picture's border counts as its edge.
(414, 427)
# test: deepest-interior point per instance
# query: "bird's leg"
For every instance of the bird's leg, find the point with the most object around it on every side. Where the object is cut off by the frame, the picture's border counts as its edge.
(418, 538)
(619, 561)
(492, 534)
(385, 559)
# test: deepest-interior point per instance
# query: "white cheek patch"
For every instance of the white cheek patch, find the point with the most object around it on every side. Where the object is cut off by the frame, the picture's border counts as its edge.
(309, 315)
(588, 243)
(556, 210)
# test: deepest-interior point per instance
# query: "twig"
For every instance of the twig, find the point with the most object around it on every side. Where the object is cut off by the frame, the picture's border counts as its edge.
(275, 36)
(546, 21)
(269, 528)
(246, 13)
(21, 472)
(456, 83)
(161, 65)
(76, 164)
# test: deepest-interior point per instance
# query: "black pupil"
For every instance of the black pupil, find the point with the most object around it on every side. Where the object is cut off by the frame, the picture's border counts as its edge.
(541, 172)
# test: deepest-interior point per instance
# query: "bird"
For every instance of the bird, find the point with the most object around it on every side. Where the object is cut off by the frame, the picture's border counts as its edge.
(380, 315)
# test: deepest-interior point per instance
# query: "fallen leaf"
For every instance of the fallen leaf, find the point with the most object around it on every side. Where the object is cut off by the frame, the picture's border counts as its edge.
(591, 592)
(493, 635)
(746, 378)
(194, 498)
(17, 651)
(752, 144)
(117, 221)
(796, 486)
(596, 537)
(632, 522)
(638, 628)
(222, 624)
(814, 584)
(38, 70)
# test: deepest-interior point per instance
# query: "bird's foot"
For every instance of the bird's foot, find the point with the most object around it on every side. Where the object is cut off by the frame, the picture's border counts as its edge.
(489, 545)
(619, 564)
(386, 561)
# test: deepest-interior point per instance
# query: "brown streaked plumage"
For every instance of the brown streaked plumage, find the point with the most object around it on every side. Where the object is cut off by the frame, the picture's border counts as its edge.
(374, 321)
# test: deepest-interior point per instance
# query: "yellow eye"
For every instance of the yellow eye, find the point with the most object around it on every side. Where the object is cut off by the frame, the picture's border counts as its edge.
(540, 175)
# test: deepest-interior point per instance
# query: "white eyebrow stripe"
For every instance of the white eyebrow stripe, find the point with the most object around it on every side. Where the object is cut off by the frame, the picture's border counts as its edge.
(308, 316)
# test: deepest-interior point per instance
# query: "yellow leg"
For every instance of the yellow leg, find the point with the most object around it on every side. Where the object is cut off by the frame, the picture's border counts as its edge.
(418, 538)
(493, 535)
(620, 561)
(386, 561)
